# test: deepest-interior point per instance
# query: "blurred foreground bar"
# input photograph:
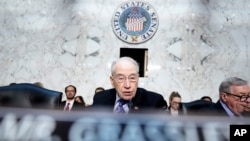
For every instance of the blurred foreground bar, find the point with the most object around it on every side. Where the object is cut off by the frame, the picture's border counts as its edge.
(52, 125)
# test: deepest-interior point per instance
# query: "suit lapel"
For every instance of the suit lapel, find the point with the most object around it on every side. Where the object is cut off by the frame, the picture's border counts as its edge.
(111, 97)
(137, 101)
(220, 108)
(62, 105)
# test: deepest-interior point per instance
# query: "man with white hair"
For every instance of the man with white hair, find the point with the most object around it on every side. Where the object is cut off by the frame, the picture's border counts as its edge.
(126, 97)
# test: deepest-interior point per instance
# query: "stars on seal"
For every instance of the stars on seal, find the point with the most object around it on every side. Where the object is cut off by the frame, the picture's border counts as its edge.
(134, 38)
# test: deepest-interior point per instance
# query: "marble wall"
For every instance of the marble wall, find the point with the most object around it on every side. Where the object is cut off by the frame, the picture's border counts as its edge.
(60, 42)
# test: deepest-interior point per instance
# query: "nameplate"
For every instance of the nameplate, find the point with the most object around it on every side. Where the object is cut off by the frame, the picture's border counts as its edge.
(46, 125)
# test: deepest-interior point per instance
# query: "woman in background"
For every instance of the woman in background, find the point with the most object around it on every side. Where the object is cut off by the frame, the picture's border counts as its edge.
(174, 103)
(80, 99)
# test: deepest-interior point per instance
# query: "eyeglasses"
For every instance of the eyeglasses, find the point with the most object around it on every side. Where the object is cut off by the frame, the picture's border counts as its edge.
(175, 103)
(242, 98)
(70, 90)
(122, 78)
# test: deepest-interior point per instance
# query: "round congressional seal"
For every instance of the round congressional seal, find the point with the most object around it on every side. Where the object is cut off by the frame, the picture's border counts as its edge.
(135, 22)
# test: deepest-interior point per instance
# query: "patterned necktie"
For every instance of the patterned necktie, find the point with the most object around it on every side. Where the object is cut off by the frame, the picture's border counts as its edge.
(119, 108)
(67, 107)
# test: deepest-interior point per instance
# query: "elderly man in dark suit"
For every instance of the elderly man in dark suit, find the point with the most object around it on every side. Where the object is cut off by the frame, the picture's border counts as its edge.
(234, 93)
(126, 97)
(234, 101)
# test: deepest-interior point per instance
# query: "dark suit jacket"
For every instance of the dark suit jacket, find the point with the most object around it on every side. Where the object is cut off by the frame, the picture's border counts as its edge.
(221, 111)
(143, 101)
(76, 106)
(216, 110)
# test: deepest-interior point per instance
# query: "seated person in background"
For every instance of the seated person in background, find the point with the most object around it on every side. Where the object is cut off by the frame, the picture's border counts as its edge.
(234, 93)
(174, 101)
(39, 84)
(70, 104)
(99, 89)
(80, 99)
(207, 98)
(126, 97)
(13, 83)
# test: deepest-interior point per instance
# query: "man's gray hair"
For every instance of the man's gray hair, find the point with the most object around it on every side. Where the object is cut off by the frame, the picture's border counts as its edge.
(231, 81)
(128, 59)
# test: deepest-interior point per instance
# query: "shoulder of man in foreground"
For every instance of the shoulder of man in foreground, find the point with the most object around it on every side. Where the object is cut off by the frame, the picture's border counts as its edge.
(148, 98)
(104, 97)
